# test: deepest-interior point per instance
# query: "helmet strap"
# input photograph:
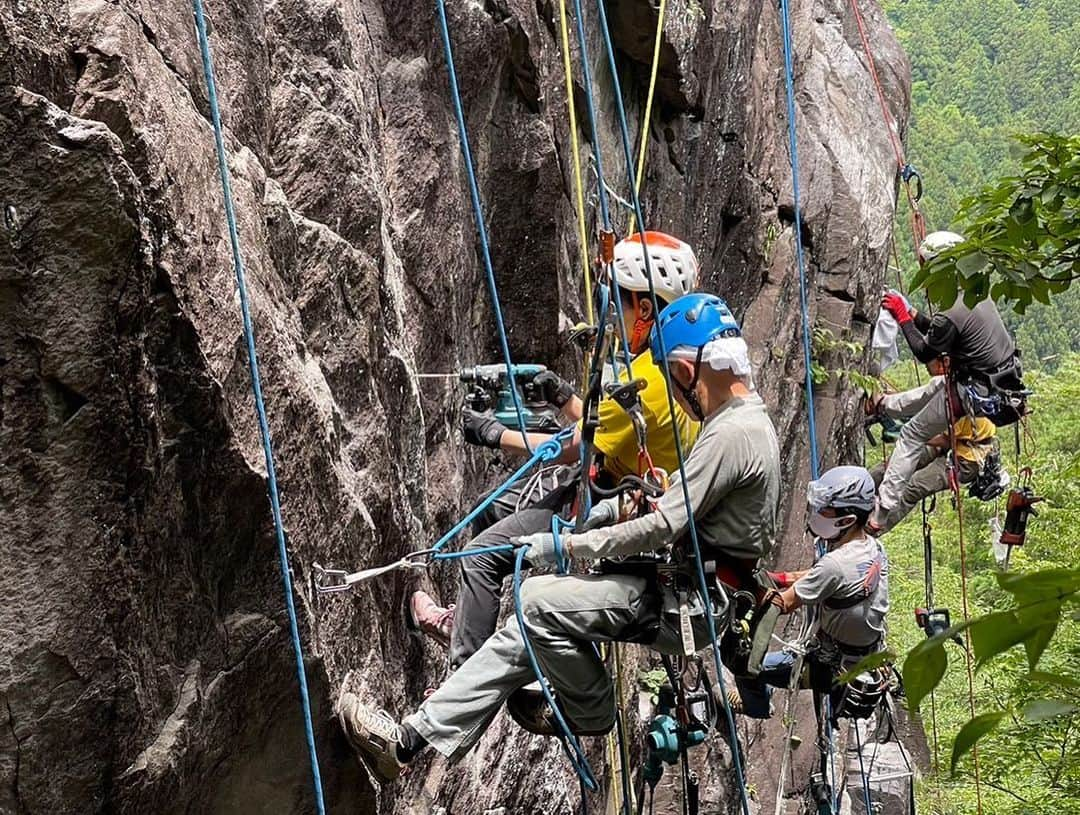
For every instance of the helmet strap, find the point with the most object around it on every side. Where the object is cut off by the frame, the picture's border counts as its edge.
(688, 392)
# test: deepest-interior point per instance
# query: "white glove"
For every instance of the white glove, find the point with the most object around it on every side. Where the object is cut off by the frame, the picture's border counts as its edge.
(541, 547)
(604, 513)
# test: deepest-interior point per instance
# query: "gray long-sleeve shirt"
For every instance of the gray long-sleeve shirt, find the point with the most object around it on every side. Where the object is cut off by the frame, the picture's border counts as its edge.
(733, 475)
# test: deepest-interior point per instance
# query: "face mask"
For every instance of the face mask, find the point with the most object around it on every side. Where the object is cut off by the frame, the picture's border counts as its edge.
(829, 529)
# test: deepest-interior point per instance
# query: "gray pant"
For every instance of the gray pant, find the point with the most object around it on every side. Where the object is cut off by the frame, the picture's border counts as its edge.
(926, 409)
(481, 585)
(565, 615)
(931, 476)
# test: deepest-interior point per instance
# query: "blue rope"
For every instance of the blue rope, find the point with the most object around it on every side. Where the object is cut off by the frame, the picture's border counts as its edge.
(804, 300)
(256, 387)
(804, 303)
(478, 214)
(570, 742)
(547, 451)
(663, 362)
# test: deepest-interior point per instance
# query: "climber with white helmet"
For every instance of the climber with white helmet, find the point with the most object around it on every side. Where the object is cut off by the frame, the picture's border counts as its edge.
(976, 371)
(850, 584)
(733, 479)
(529, 507)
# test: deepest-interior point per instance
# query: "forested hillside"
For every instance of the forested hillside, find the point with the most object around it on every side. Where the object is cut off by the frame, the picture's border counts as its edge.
(984, 71)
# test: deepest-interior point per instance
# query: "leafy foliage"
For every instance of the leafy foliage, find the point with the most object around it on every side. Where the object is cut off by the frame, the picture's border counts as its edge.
(1022, 234)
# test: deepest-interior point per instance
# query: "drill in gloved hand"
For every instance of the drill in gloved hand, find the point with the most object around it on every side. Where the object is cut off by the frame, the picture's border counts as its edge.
(482, 428)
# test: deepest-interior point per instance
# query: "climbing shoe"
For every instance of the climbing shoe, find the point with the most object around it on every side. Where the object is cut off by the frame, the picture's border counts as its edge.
(428, 617)
(373, 734)
(529, 708)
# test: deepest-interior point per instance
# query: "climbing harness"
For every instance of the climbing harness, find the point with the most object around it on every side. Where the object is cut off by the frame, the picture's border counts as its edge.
(256, 387)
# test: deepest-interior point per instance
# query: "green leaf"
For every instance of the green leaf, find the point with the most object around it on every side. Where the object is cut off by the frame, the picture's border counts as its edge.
(1041, 709)
(1053, 679)
(1055, 582)
(867, 663)
(1037, 642)
(995, 633)
(923, 668)
(971, 732)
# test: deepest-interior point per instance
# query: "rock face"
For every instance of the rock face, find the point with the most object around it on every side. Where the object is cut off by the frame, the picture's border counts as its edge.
(144, 664)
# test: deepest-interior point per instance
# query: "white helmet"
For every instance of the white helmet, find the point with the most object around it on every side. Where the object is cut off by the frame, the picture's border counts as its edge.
(673, 265)
(937, 242)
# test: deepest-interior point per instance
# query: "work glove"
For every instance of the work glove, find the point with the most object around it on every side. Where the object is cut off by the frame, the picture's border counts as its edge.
(481, 428)
(556, 390)
(603, 513)
(541, 547)
(897, 306)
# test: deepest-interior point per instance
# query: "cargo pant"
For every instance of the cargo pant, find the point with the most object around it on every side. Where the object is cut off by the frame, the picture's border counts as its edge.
(565, 615)
(931, 476)
(927, 411)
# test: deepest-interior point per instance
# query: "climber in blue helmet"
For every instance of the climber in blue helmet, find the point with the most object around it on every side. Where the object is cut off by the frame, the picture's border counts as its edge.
(850, 586)
(733, 478)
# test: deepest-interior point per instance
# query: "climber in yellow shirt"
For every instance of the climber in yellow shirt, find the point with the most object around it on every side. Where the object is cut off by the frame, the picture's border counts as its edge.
(975, 442)
(530, 507)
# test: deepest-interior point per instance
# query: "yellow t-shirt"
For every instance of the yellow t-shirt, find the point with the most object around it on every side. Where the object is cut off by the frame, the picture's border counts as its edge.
(615, 436)
(974, 441)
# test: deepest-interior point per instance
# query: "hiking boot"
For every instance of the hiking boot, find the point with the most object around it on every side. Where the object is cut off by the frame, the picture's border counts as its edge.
(428, 617)
(373, 734)
(529, 708)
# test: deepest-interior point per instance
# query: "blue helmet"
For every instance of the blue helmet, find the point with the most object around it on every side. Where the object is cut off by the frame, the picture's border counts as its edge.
(693, 320)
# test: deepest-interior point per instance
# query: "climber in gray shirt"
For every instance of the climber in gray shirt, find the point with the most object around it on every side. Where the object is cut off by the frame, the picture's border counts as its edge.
(733, 475)
(849, 584)
(970, 346)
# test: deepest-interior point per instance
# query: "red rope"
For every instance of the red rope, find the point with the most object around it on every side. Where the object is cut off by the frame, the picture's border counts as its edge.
(918, 224)
(889, 121)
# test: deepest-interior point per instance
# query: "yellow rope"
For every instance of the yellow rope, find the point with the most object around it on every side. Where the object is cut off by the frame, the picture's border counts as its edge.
(640, 171)
(583, 236)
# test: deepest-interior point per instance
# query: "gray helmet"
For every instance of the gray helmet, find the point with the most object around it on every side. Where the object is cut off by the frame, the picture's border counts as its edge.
(842, 488)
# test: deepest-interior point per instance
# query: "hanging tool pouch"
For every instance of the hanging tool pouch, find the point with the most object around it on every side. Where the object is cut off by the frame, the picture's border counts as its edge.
(646, 625)
(754, 613)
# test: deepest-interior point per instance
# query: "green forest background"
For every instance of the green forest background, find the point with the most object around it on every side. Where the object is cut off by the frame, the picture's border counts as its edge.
(984, 71)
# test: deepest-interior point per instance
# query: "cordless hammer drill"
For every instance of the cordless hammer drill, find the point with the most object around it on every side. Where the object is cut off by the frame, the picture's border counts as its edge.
(490, 390)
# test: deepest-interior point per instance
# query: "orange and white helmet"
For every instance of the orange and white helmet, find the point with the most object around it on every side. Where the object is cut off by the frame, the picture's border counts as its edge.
(673, 265)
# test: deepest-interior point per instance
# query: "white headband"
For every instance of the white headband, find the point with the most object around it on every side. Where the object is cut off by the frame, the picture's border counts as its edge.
(721, 354)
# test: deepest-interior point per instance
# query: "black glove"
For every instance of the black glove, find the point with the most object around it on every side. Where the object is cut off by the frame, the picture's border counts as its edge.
(556, 390)
(482, 429)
